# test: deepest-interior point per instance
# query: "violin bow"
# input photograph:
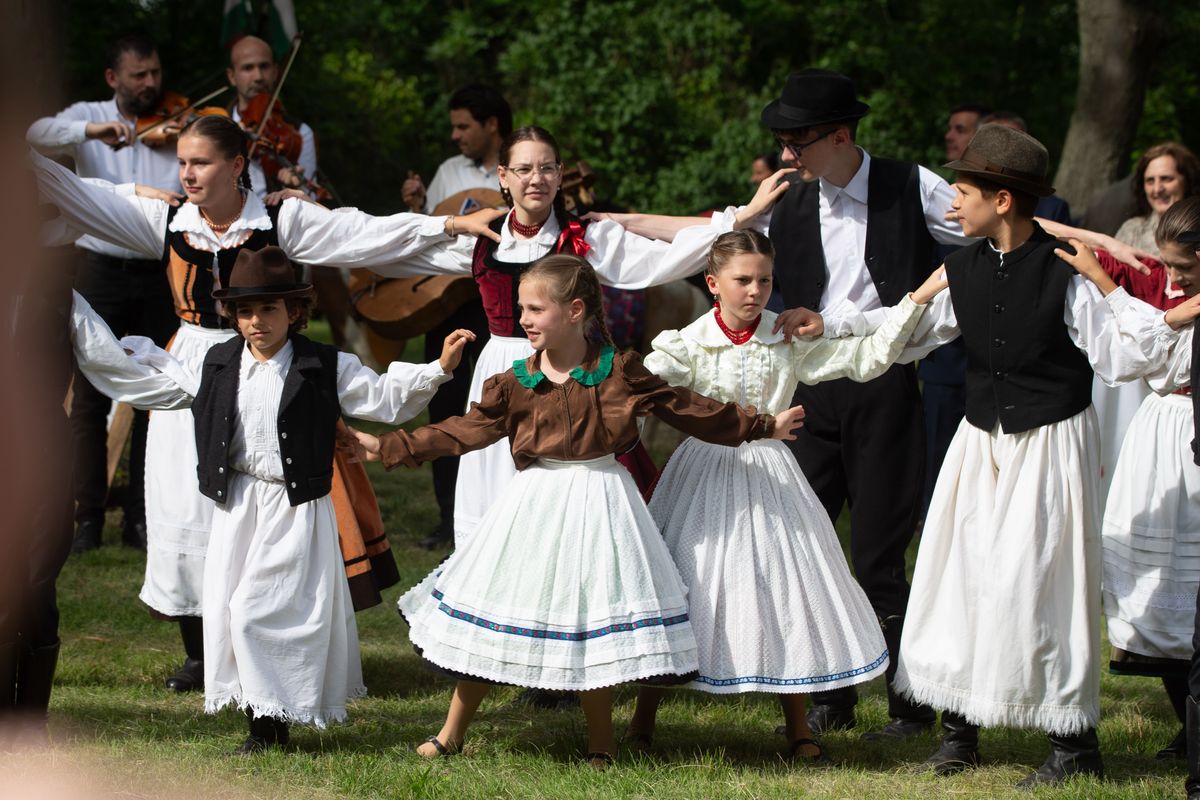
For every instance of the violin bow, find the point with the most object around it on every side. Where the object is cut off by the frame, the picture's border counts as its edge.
(182, 111)
(262, 124)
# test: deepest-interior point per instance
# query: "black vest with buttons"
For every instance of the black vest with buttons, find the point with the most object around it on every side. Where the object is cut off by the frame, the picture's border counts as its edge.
(308, 415)
(898, 252)
(1022, 367)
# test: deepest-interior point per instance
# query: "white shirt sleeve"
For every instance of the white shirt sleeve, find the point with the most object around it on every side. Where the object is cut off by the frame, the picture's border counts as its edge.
(102, 210)
(106, 365)
(394, 397)
(628, 261)
(936, 197)
(399, 246)
(60, 134)
(1124, 338)
(860, 358)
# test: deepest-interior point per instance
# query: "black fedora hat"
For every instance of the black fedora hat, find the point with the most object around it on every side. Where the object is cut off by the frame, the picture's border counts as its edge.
(1008, 157)
(813, 97)
(262, 273)
(1189, 237)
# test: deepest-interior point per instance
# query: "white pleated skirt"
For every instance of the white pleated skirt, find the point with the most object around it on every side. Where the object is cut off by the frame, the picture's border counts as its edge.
(1115, 407)
(484, 474)
(1003, 623)
(1152, 533)
(279, 630)
(566, 585)
(773, 604)
(178, 517)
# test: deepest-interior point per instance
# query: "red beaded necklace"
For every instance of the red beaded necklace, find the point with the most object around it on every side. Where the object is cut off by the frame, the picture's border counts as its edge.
(524, 230)
(740, 336)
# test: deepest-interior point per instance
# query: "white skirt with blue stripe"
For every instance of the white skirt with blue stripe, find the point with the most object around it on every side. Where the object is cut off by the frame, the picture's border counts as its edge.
(565, 585)
(773, 604)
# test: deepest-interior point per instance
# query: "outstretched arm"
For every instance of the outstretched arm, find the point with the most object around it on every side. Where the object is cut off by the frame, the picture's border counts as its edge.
(403, 390)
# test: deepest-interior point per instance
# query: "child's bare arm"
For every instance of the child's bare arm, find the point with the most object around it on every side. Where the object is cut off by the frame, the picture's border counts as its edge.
(1086, 264)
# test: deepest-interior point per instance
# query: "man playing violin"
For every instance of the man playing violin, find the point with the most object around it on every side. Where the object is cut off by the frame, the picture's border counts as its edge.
(128, 291)
(252, 72)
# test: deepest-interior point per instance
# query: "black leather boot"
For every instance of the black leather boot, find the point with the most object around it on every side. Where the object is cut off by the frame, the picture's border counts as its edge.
(35, 680)
(1177, 692)
(190, 677)
(831, 711)
(1069, 756)
(88, 534)
(265, 732)
(908, 719)
(960, 746)
(1192, 726)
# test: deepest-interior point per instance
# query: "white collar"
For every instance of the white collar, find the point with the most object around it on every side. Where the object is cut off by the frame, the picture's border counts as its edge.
(253, 217)
(856, 189)
(280, 362)
(705, 331)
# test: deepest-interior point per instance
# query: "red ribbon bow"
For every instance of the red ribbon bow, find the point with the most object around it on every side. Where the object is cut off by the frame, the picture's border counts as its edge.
(572, 242)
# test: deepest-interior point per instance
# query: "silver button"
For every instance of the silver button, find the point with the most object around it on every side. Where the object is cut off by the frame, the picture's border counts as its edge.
(293, 484)
(283, 435)
(220, 470)
(219, 493)
(288, 460)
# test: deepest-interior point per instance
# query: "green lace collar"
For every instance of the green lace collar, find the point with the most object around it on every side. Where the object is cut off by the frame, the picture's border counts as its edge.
(583, 377)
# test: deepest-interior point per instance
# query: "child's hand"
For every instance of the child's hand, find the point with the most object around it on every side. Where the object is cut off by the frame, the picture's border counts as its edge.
(932, 286)
(787, 422)
(769, 191)
(799, 322)
(366, 446)
(1184, 313)
(1085, 263)
(452, 348)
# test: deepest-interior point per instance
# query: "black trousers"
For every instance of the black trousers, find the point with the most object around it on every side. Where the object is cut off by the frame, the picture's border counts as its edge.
(450, 400)
(132, 297)
(863, 445)
(945, 405)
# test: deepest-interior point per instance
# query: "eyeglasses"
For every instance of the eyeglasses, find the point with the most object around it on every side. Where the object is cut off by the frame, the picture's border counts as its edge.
(524, 172)
(798, 148)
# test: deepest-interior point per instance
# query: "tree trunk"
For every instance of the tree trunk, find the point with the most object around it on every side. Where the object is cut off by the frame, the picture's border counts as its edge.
(1118, 40)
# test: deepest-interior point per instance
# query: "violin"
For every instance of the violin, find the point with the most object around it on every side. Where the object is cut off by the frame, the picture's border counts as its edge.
(161, 125)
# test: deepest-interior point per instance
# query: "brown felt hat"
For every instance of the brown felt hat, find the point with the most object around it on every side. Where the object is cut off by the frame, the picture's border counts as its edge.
(814, 97)
(262, 273)
(1008, 157)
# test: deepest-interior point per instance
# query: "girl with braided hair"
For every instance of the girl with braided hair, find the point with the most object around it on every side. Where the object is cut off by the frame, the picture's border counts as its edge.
(567, 584)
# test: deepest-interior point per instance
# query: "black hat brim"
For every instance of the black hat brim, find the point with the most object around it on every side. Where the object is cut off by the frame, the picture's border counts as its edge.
(967, 168)
(260, 292)
(778, 117)
(1189, 237)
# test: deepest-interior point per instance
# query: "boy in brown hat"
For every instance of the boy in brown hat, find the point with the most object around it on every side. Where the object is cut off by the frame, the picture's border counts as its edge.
(1003, 620)
(279, 632)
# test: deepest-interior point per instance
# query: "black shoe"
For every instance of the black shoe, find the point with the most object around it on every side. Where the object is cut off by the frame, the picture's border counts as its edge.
(823, 718)
(440, 537)
(87, 535)
(899, 729)
(959, 750)
(189, 678)
(1069, 756)
(134, 535)
(1177, 748)
(265, 733)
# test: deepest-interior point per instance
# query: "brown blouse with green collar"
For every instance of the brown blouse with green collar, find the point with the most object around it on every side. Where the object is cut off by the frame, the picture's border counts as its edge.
(592, 414)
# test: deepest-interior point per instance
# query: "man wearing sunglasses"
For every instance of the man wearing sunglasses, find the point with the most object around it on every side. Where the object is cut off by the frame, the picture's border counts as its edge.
(857, 232)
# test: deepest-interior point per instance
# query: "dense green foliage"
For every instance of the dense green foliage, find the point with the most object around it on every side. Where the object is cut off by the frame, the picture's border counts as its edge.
(662, 98)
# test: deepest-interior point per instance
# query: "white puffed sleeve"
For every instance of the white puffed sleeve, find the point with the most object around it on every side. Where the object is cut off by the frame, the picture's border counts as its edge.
(114, 373)
(628, 261)
(860, 358)
(670, 359)
(394, 397)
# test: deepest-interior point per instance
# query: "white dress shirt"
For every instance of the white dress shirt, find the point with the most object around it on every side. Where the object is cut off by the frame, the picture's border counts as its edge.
(65, 134)
(457, 174)
(307, 158)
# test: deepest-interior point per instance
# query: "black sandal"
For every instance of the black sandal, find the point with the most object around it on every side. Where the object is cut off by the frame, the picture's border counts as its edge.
(795, 755)
(599, 760)
(442, 750)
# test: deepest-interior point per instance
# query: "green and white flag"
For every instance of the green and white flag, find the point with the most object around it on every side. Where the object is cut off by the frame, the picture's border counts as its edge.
(272, 20)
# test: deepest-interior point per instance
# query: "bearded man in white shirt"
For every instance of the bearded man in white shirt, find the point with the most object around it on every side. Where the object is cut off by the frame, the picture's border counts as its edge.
(127, 290)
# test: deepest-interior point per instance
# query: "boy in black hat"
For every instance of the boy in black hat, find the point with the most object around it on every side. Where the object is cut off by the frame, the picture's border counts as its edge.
(1003, 621)
(279, 632)
(857, 232)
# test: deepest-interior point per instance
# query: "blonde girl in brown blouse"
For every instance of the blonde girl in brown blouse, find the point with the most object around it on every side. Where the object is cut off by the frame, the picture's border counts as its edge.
(567, 586)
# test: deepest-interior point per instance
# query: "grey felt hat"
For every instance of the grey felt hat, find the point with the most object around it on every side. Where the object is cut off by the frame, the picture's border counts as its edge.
(1008, 157)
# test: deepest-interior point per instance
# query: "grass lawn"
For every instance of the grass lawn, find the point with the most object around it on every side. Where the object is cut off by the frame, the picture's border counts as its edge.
(118, 733)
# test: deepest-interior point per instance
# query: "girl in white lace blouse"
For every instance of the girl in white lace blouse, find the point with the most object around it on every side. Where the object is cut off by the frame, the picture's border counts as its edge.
(773, 604)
